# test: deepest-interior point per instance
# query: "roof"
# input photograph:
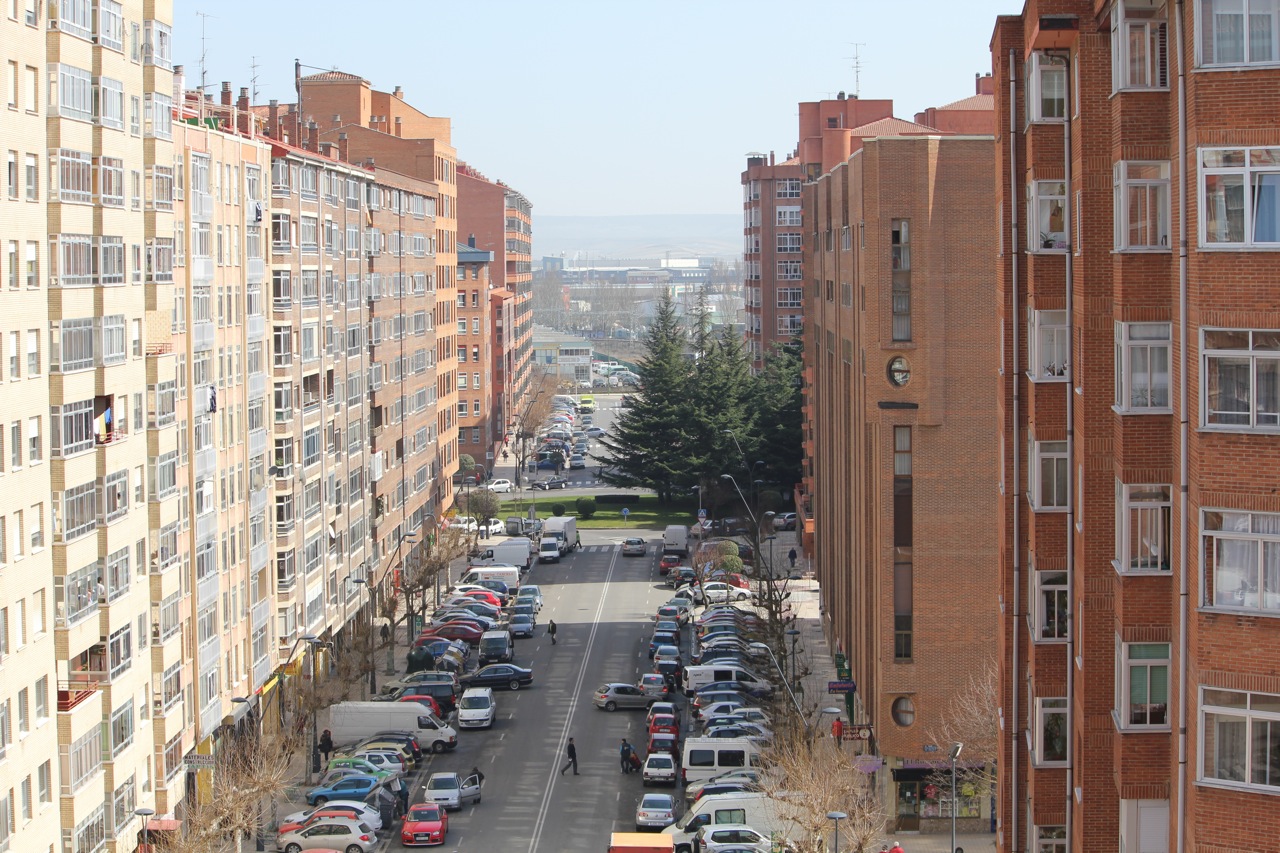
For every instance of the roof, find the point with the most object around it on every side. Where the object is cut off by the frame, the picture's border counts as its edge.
(334, 76)
(472, 255)
(973, 102)
(892, 127)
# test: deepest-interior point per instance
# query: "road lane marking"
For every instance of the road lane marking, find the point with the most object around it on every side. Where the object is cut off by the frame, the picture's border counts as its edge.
(544, 807)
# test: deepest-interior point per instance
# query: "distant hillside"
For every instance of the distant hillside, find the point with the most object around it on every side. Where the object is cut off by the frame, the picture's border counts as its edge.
(679, 235)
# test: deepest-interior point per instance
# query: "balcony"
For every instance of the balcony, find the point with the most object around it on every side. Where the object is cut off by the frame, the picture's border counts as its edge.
(207, 655)
(200, 206)
(255, 327)
(254, 270)
(257, 385)
(260, 614)
(207, 591)
(77, 690)
(206, 527)
(202, 336)
(285, 585)
(257, 442)
(261, 669)
(201, 270)
(259, 556)
(257, 501)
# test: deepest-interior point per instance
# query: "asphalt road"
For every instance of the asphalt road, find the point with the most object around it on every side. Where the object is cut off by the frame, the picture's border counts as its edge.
(606, 413)
(601, 603)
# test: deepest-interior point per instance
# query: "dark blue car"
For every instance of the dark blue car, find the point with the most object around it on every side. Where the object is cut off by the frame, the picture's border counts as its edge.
(662, 638)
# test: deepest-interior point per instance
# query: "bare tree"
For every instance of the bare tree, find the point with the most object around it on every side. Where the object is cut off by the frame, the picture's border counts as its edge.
(541, 392)
(807, 781)
(428, 564)
(972, 718)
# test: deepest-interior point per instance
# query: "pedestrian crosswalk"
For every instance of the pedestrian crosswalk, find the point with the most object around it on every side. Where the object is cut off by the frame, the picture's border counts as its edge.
(596, 549)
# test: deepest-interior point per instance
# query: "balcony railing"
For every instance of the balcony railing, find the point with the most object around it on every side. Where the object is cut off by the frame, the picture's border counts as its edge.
(76, 689)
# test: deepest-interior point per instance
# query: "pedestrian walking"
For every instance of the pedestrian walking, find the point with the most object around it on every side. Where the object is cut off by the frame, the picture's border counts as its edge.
(571, 753)
(551, 629)
(326, 745)
(386, 634)
(624, 752)
(896, 848)
(791, 555)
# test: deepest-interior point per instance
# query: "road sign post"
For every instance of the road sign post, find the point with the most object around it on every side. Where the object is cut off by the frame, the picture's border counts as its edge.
(625, 512)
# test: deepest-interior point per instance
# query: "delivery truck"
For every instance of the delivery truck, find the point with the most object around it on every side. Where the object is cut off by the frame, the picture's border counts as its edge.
(565, 529)
(352, 721)
(517, 551)
(510, 575)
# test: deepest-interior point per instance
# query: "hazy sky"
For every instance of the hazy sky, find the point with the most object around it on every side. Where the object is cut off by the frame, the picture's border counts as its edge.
(606, 107)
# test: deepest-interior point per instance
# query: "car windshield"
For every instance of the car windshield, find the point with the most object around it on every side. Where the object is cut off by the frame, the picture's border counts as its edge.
(668, 651)
(475, 702)
(442, 783)
(424, 812)
(659, 761)
(655, 801)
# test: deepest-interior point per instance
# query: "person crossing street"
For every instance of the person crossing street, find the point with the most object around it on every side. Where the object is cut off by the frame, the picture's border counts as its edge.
(625, 752)
(571, 753)
(551, 629)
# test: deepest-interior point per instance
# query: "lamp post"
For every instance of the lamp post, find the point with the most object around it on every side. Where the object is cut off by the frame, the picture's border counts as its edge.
(955, 753)
(313, 642)
(808, 728)
(741, 497)
(410, 537)
(836, 817)
(145, 814)
(259, 843)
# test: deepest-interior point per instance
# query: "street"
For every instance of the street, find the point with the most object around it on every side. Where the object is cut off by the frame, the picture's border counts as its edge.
(601, 603)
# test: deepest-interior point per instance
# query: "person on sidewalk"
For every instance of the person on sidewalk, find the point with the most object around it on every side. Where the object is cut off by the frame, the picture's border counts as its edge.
(326, 745)
(791, 555)
(571, 752)
(551, 629)
(896, 848)
(624, 752)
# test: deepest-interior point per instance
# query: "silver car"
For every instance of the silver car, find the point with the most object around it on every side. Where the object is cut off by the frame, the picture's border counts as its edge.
(611, 697)
(348, 836)
(633, 547)
(655, 811)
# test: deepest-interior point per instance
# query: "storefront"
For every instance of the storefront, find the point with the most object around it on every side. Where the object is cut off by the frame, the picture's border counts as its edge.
(923, 801)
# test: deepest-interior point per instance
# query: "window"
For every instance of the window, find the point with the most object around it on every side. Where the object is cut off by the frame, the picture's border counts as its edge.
(1142, 527)
(1047, 211)
(1142, 685)
(1051, 606)
(790, 325)
(1239, 740)
(1142, 366)
(1046, 88)
(1240, 553)
(789, 242)
(1237, 32)
(110, 25)
(72, 428)
(81, 762)
(1051, 732)
(788, 216)
(1139, 46)
(1241, 379)
(158, 45)
(1051, 839)
(1141, 205)
(1048, 474)
(790, 297)
(109, 102)
(900, 255)
(1239, 197)
(790, 270)
(79, 511)
(73, 171)
(787, 188)
(113, 344)
(70, 92)
(1049, 335)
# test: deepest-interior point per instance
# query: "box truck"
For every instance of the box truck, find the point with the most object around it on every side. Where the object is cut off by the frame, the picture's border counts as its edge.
(352, 721)
(640, 842)
(675, 540)
(510, 575)
(517, 551)
(565, 529)
(758, 810)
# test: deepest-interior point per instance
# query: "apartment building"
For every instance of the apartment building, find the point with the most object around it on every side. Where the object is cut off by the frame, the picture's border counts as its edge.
(481, 429)
(900, 420)
(494, 217)
(772, 254)
(31, 597)
(1136, 191)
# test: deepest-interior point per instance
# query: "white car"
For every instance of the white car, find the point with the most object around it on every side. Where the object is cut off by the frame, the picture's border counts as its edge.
(451, 790)
(718, 592)
(499, 486)
(476, 709)
(494, 527)
(659, 768)
(634, 547)
(731, 836)
(468, 524)
(594, 431)
(383, 759)
(363, 811)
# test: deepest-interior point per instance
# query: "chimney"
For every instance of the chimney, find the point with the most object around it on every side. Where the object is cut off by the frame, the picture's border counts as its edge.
(840, 96)
(399, 129)
(471, 240)
(984, 84)
(324, 149)
(226, 93)
(770, 158)
(337, 120)
(312, 137)
(242, 112)
(398, 93)
(342, 147)
(273, 119)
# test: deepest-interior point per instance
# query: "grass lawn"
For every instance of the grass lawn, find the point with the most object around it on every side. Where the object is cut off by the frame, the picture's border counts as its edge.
(644, 511)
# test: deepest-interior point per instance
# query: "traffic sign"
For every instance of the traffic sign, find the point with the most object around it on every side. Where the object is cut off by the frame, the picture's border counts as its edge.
(842, 687)
(625, 512)
(702, 514)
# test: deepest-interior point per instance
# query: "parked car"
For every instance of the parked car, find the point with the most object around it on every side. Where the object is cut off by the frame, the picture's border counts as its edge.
(467, 633)
(673, 613)
(654, 685)
(666, 660)
(533, 592)
(617, 695)
(521, 625)
(659, 769)
(663, 638)
(664, 742)
(731, 838)
(661, 708)
(353, 809)
(336, 833)
(680, 576)
(668, 562)
(476, 709)
(499, 486)
(425, 824)
(634, 547)
(419, 678)
(353, 787)
(664, 724)
(784, 521)
(366, 767)
(594, 431)
(655, 811)
(499, 675)
(550, 483)
(452, 790)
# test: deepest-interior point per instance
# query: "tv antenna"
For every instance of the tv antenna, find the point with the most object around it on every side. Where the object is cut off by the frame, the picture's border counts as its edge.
(857, 69)
(253, 79)
(204, 53)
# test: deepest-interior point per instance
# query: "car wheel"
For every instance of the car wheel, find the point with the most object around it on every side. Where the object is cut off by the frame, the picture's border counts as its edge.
(320, 801)
(355, 848)
(514, 685)
(293, 848)
(611, 706)
(438, 747)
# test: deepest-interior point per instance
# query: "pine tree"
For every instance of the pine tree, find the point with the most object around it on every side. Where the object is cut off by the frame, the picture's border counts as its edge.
(776, 398)
(721, 413)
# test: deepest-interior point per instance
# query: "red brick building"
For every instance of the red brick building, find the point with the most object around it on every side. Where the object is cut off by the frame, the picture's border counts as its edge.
(772, 254)
(899, 428)
(1139, 567)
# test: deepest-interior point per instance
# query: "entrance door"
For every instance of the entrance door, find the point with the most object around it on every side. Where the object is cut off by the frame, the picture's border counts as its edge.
(908, 807)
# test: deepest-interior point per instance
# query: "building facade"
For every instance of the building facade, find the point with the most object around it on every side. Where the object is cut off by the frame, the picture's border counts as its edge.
(1135, 170)
(772, 255)
(900, 426)
(481, 428)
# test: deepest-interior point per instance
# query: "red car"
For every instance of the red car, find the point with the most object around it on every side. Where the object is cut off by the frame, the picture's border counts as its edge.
(667, 743)
(464, 631)
(663, 724)
(667, 563)
(422, 699)
(426, 824)
(486, 597)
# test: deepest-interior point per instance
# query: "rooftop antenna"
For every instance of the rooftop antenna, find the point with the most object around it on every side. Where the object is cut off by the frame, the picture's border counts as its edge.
(857, 69)
(253, 79)
(204, 53)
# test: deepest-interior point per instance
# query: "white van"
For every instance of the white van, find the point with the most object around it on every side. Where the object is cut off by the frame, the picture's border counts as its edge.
(675, 540)
(699, 676)
(704, 757)
(549, 550)
(510, 575)
(476, 709)
(351, 721)
(753, 809)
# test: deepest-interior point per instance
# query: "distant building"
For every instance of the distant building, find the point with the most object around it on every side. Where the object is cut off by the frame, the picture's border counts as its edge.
(567, 358)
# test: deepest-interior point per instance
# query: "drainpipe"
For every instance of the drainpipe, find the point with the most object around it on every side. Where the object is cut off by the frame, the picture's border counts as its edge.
(1183, 428)
(1015, 246)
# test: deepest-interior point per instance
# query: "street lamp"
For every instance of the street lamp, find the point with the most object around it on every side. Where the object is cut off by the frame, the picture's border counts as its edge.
(259, 843)
(955, 753)
(743, 498)
(145, 814)
(808, 729)
(836, 817)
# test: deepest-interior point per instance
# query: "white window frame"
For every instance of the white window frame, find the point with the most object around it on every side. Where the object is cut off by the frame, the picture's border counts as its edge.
(789, 242)
(785, 188)
(1041, 198)
(1040, 66)
(1143, 528)
(1252, 348)
(1248, 538)
(1139, 47)
(1141, 199)
(787, 216)
(790, 270)
(1041, 453)
(1049, 333)
(1126, 664)
(1046, 707)
(1144, 826)
(1237, 704)
(1240, 172)
(1139, 379)
(1205, 17)
(1055, 586)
